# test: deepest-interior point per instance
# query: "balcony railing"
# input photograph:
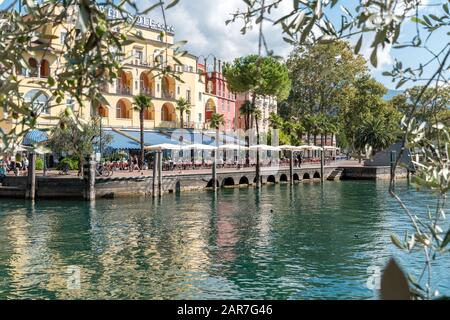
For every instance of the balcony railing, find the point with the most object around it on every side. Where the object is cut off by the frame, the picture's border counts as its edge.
(169, 124)
(146, 91)
(124, 90)
(104, 88)
(168, 95)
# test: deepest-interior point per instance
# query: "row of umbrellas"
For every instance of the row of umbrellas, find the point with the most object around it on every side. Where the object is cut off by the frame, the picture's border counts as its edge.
(205, 147)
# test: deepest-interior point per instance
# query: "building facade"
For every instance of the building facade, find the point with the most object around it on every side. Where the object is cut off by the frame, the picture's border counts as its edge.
(216, 85)
(266, 104)
(139, 75)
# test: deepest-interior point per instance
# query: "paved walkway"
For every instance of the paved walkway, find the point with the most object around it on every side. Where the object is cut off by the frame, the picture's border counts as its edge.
(127, 174)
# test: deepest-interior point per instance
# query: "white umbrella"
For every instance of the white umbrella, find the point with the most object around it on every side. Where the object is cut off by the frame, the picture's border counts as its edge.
(330, 148)
(288, 147)
(264, 147)
(198, 147)
(232, 147)
(163, 146)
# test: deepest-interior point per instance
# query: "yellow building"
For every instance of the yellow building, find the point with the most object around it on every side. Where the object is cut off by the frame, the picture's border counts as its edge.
(137, 77)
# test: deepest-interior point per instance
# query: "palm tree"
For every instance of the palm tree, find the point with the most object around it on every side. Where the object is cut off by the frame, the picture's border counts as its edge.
(215, 122)
(257, 114)
(374, 133)
(142, 103)
(184, 106)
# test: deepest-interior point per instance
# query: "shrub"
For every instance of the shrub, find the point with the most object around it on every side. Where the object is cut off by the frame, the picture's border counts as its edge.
(39, 163)
(72, 163)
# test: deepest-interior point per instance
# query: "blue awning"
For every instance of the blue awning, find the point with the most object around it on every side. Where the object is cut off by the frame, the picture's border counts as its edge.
(35, 136)
(151, 138)
(120, 142)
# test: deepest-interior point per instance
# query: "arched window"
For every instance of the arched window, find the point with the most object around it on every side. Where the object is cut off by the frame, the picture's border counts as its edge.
(32, 62)
(149, 113)
(39, 101)
(102, 112)
(45, 69)
(123, 109)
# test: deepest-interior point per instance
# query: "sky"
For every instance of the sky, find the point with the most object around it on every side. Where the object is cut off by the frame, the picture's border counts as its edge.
(202, 24)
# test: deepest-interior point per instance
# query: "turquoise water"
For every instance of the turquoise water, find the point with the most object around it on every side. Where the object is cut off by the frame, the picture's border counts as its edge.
(305, 242)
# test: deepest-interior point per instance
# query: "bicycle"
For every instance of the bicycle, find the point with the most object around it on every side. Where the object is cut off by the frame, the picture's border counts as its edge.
(104, 171)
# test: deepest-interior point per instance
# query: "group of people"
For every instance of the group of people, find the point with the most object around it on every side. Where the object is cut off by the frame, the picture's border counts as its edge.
(15, 165)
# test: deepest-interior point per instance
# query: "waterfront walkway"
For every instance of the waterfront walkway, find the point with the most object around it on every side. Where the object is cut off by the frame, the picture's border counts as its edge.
(135, 173)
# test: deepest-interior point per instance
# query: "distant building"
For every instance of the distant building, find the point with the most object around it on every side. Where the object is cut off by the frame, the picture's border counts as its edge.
(266, 104)
(217, 86)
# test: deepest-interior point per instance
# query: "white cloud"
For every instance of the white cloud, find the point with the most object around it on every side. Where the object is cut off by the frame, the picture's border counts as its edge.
(202, 24)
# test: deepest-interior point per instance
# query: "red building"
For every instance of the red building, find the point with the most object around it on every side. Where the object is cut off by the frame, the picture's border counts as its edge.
(217, 85)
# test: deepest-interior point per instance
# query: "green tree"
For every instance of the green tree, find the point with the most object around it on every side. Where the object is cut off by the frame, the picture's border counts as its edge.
(321, 75)
(261, 76)
(374, 133)
(142, 103)
(77, 137)
(183, 106)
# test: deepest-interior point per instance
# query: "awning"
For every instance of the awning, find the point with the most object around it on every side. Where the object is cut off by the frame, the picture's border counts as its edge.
(129, 139)
(34, 137)
(164, 146)
(232, 147)
(120, 142)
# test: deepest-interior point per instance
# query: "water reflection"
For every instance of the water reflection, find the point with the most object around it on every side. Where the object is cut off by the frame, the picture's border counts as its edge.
(281, 242)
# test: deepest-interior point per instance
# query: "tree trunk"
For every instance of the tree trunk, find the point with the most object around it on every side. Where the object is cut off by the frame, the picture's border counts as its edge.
(141, 122)
(182, 119)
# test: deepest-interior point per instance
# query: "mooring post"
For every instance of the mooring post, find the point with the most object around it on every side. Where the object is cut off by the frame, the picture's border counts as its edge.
(258, 170)
(89, 176)
(155, 163)
(214, 171)
(393, 163)
(322, 165)
(31, 181)
(291, 168)
(159, 173)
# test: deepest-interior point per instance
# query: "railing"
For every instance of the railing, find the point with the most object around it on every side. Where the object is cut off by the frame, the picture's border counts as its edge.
(104, 88)
(124, 90)
(168, 95)
(169, 124)
(146, 91)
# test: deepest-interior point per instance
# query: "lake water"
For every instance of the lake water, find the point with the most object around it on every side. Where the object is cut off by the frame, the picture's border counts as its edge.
(303, 242)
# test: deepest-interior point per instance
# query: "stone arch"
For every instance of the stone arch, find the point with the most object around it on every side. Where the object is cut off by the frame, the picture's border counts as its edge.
(228, 182)
(147, 83)
(149, 113)
(316, 175)
(126, 83)
(296, 177)
(124, 109)
(271, 179)
(283, 178)
(210, 109)
(210, 183)
(306, 176)
(45, 68)
(103, 111)
(168, 112)
(168, 85)
(244, 181)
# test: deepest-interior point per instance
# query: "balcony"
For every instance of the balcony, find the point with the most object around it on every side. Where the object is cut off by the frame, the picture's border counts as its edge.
(169, 124)
(124, 90)
(168, 95)
(104, 88)
(146, 92)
